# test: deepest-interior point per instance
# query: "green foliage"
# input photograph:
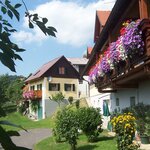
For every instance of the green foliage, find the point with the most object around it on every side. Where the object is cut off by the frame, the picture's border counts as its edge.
(70, 99)
(34, 105)
(10, 90)
(5, 139)
(21, 108)
(77, 103)
(58, 98)
(90, 122)
(67, 126)
(9, 50)
(141, 113)
(124, 125)
(105, 143)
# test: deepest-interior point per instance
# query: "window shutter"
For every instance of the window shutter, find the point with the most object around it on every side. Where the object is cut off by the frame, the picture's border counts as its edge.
(58, 87)
(73, 87)
(50, 87)
(65, 87)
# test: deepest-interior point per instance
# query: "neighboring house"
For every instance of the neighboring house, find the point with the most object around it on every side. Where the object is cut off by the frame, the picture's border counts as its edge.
(83, 86)
(57, 75)
(128, 81)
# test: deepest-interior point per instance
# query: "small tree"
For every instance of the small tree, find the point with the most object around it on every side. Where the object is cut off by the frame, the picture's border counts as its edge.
(58, 98)
(67, 126)
(90, 122)
(70, 99)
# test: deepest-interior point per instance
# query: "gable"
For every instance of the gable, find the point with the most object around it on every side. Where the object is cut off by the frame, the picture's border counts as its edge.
(70, 71)
(100, 20)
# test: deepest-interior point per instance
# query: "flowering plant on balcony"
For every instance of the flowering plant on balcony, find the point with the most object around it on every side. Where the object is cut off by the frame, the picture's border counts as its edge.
(96, 71)
(127, 45)
(132, 39)
(28, 95)
(106, 62)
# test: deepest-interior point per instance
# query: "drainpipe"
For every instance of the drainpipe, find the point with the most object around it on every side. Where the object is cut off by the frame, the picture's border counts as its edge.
(44, 96)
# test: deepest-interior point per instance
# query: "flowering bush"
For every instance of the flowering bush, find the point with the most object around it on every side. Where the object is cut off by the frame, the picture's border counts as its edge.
(132, 39)
(29, 95)
(106, 63)
(124, 126)
(127, 45)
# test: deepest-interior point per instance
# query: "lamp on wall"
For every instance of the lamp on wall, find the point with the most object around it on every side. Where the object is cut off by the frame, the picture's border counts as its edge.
(49, 79)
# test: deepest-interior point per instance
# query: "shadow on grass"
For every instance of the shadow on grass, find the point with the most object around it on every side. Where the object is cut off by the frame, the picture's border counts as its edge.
(105, 138)
(87, 147)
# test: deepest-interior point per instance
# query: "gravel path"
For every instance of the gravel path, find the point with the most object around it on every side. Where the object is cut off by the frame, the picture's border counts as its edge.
(30, 138)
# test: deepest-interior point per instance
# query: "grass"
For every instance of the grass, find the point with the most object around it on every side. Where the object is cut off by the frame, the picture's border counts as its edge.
(19, 119)
(105, 142)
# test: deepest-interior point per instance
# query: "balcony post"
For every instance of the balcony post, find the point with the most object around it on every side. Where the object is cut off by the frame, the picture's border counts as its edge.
(44, 96)
(143, 7)
(145, 26)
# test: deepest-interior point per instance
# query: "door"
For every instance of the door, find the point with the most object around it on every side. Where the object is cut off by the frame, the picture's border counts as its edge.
(39, 112)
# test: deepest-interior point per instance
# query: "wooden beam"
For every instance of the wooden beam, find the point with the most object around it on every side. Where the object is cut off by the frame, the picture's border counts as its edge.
(125, 86)
(143, 7)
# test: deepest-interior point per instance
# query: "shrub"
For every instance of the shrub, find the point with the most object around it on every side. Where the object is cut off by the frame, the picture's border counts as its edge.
(124, 126)
(141, 113)
(77, 104)
(90, 122)
(34, 105)
(66, 126)
(21, 108)
(70, 99)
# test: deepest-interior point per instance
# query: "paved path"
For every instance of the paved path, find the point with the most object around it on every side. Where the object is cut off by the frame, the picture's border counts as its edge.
(30, 138)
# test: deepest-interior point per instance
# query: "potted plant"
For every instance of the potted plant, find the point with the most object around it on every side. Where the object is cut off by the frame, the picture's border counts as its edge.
(143, 121)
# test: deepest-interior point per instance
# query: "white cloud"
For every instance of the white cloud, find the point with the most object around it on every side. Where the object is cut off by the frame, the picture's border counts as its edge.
(73, 21)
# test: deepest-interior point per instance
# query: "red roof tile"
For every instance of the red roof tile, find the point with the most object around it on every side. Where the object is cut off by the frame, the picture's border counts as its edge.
(89, 50)
(102, 16)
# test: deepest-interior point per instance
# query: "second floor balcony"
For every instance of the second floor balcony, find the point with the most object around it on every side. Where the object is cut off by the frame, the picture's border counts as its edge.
(126, 61)
(33, 95)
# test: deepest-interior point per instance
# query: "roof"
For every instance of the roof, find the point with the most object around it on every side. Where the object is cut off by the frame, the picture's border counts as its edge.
(43, 69)
(102, 16)
(100, 20)
(78, 61)
(89, 50)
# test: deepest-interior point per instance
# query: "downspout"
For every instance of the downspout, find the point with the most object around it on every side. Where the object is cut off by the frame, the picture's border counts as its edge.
(44, 97)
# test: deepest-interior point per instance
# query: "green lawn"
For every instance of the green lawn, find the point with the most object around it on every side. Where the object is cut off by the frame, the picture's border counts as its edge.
(105, 142)
(18, 119)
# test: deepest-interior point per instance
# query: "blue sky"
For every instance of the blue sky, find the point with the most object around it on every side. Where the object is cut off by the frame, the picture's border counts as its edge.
(74, 21)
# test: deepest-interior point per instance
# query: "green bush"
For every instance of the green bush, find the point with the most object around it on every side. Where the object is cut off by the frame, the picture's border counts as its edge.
(77, 104)
(141, 113)
(90, 122)
(66, 126)
(70, 99)
(34, 105)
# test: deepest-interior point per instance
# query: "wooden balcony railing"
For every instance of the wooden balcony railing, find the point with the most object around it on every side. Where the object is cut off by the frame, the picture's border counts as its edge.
(32, 95)
(38, 94)
(127, 73)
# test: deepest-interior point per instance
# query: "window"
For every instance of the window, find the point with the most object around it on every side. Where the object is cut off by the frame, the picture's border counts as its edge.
(39, 87)
(69, 87)
(54, 86)
(32, 88)
(117, 101)
(61, 70)
(132, 101)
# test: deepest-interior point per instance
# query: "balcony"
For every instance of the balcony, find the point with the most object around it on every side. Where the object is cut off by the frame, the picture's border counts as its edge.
(33, 95)
(128, 72)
